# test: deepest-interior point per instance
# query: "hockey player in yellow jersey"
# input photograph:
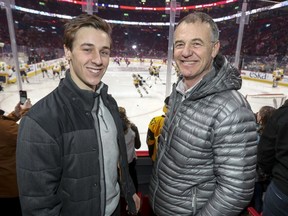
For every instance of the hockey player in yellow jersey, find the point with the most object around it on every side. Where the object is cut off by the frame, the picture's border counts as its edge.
(154, 131)
(44, 68)
(56, 70)
(154, 71)
(6, 73)
(23, 72)
(151, 70)
(278, 75)
(139, 81)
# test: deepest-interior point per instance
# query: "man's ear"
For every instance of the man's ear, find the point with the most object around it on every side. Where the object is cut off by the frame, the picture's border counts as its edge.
(67, 53)
(216, 47)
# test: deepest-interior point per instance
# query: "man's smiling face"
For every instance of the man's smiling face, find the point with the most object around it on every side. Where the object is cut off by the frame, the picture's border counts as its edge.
(89, 57)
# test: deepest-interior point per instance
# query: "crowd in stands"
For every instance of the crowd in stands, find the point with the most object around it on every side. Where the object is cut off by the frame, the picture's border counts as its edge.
(264, 38)
(263, 48)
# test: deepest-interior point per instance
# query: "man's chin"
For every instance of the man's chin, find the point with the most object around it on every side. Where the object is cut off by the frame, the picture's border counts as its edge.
(189, 76)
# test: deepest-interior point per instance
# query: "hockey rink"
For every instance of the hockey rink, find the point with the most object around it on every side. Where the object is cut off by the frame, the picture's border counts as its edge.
(140, 110)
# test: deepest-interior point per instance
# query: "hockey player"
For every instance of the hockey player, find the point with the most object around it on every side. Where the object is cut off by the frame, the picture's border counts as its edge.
(6, 73)
(56, 70)
(127, 61)
(154, 72)
(23, 72)
(3, 75)
(142, 60)
(44, 68)
(9, 72)
(151, 71)
(117, 60)
(139, 81)
(278, 75)
(62, 67)
(2, 67)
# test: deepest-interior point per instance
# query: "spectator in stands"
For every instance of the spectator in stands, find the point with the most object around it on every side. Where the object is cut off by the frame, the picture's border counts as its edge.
(154, 130)
(262, 180)
(273, 161)
(9, 198)
(71, 143)
(132, 139)
(206, 160)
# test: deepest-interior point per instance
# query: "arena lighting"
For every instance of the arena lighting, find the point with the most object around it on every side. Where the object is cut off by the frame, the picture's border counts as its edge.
(27, 10)
(124, 7)
(254, 11)
(73, 2)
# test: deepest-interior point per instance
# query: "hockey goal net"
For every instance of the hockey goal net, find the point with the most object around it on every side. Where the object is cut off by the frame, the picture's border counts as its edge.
(258, 100)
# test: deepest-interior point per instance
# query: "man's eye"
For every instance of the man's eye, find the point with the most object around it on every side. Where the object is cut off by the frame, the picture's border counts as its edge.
(196, 45)
(87, 50)
(105, 53)
(179, 45)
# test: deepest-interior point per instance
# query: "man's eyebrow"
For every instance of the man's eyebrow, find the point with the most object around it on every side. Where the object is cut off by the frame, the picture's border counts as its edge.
(197, 39)
(92, 45)
(193, 40)
(106, 47)
(86, 44)
(178, 41)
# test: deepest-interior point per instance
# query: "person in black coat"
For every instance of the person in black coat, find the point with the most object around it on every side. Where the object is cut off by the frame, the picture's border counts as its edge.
(273, 161)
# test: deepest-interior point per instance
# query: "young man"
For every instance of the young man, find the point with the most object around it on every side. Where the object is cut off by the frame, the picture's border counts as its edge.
(207, 152)
(71, 142)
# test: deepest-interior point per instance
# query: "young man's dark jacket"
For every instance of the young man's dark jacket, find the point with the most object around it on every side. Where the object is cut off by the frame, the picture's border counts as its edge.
(272, 153)
(58, 154)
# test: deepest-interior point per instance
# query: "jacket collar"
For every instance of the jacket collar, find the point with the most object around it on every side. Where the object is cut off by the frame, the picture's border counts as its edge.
(85, 96)
(222, 77)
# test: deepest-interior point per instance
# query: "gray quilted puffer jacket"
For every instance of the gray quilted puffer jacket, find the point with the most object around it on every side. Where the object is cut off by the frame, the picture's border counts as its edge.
(207, 152)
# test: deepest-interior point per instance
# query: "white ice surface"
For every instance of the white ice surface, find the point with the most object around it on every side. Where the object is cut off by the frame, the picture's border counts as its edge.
(120, 82)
